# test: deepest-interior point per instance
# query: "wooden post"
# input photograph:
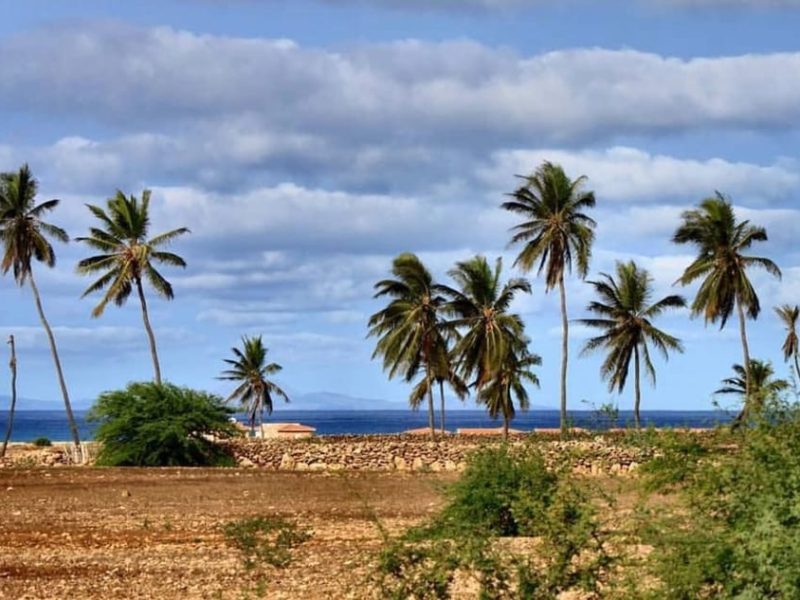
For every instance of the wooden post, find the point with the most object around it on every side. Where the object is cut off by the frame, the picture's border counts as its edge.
(13, 366)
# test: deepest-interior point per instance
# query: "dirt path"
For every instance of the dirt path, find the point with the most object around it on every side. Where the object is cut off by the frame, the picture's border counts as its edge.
(110, 533)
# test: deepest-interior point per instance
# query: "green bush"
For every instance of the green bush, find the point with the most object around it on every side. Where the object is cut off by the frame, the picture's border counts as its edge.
(161, 425)
(502, 493)
(265, 541)
(42, 442)
(736, 533)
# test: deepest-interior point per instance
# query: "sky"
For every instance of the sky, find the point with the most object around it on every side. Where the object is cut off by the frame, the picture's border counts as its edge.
(306, 143)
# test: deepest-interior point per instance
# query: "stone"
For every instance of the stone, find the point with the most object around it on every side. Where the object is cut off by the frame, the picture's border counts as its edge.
(246, 463)
(287, 462)
(418, 465)
(449, 465)
(400, 463)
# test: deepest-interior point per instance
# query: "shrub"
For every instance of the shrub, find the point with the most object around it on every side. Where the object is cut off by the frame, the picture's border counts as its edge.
(737, 531)
(501, 494)
(42, 442)
(265, 541)
(161, 425)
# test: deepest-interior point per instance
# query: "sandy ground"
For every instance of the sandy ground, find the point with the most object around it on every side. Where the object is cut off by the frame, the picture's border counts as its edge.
(110, 533)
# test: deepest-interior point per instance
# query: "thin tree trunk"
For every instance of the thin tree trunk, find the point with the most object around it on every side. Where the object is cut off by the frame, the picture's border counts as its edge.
(564, 353)
(745, 412)
(13, 366)
(441, 395)
(73, 427)
(505, 425)
(797, 368)
(638, 400)
(149, 329)
(431, 421)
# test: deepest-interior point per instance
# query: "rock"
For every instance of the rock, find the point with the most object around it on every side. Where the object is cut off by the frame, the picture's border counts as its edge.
(437, 467)
(449, 465)
(301, 466)
(126, 494)
(246, 463)
(400, 463)
(317, 467)
(287, 462)
(418, 465)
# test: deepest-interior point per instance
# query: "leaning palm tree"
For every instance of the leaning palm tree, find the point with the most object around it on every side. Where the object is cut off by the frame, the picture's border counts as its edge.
(720, 240)
(755, 385)
(255, 392)
(556, 233)
(480, 308)
(24, 238)
(128, 258)
(508, 382)
(410, 337)
(624, 315)
(789, 316)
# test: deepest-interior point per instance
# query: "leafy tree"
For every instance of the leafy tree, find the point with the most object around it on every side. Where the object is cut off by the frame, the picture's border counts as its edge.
(720, 241)
(555, 232)
(255, 391)
(763, 385)
(408, 329)
(128, 257)
(508, 383)
(625, 317)
(480, 307)
(24, 239)
(161, 425)
(789, 316)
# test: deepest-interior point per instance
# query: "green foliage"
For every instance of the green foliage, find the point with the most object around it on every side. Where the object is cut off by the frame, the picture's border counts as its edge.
(42, 442)
(265, 541)
(737, 533)
(502, 494)
(147, 424)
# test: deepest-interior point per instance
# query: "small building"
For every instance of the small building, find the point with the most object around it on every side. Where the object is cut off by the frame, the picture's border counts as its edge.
(292, 431)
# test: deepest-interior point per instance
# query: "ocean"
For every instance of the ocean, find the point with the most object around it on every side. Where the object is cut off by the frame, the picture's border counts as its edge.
(29, 425)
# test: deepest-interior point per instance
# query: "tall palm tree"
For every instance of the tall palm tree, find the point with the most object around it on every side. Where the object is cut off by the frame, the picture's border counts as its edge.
(480, 307)
(720, 240)
(409, 333)
(128, 257)
(625, 319)
(508, 383)
(754, 385)
(445, 373)
(24, 238)
(555, 232)
(255, 391)
(12, 364)
(789, 316)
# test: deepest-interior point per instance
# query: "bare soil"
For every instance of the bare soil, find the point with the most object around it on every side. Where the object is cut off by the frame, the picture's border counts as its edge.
(147, 533)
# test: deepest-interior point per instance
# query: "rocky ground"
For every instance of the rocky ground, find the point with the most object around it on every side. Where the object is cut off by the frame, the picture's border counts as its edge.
(112, 533)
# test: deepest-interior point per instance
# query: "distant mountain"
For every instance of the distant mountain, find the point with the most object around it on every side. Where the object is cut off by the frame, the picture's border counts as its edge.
(32, 404)
(334, 401)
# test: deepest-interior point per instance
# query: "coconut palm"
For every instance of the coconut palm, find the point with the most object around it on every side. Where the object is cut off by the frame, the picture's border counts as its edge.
(754, 385)
(480, 308)
(410, 337)
(128, 258)
(624, 315)
(508, 382)
(255, 392)
(445, 373)
(720, 240)
(555, 233)
(12, 364)
(24, 237)
(789, 316)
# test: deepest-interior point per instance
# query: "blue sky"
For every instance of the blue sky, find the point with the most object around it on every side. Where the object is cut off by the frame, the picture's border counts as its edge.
(307, 143)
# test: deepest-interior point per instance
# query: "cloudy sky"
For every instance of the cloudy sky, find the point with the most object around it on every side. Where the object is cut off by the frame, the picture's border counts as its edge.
(307, 143)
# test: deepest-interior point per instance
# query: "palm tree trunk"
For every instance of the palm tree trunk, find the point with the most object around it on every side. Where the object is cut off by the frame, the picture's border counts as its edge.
(746, 351)
(797, 367)
(638, 389)
(73, 427)
(441, 396)
(564, 352)
(13, 365)
(431, 421)
(505, 426)
(149, 329)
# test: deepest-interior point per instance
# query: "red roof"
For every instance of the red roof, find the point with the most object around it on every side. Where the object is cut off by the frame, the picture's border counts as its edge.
(497, 431)
(296, 428)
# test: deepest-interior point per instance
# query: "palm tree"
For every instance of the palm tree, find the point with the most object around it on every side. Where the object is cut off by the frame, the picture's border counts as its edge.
(24, 238)
(508, 382)
(754, 385)
(555, 233)
(255, 392)
(409, 333)
(625, 318)
(480, 307)
(790, 315)
(128, 257)
(720, 240)
(445, 373)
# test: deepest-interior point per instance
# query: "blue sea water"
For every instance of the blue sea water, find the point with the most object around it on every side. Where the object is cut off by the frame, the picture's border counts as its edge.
(29, 425)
